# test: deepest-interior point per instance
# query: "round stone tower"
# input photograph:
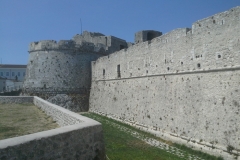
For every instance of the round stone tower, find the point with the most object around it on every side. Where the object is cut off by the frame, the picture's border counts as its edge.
(61, 72)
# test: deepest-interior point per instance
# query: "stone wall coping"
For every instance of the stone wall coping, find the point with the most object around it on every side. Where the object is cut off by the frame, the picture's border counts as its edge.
(45, 134)
(72, 114)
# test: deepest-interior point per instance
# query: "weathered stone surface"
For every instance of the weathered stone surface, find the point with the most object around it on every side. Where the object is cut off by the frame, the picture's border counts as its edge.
(61, 116)
(77, 144)
(73, 102)
(185, 83)
(64, 101)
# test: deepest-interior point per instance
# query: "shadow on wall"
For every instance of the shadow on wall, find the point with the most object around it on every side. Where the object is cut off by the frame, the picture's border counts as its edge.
(12, 93)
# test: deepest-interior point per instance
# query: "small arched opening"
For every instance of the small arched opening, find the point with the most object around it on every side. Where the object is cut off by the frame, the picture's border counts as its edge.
(106, 41)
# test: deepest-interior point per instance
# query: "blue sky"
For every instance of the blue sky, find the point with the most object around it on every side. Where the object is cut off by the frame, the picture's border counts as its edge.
(25, 21)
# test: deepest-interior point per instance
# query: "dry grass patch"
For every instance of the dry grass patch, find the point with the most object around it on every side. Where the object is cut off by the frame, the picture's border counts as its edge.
(21, 119)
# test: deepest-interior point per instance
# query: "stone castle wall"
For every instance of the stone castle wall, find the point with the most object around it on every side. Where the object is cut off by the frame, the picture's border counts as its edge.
(64, 67)
(185, 83)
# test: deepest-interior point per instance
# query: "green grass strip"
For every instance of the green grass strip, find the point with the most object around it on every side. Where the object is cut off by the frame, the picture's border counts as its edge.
(121, 145)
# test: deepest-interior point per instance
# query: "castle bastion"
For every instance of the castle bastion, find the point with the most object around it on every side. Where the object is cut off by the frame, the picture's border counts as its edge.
(61, 71)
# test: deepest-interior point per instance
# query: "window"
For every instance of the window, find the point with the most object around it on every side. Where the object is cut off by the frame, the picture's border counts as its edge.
(103, 72)
(198, 65)
(118, 71)
(19, 74)
(13, 74)
(7, 73)
(23, 73)
(106, 41)
(1, 73)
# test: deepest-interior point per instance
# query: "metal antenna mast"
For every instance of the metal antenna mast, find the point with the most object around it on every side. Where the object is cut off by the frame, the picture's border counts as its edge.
(81, 25)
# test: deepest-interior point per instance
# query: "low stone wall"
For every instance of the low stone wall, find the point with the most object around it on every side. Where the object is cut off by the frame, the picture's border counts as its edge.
(78, 137)
(62, 116)
(16, 99)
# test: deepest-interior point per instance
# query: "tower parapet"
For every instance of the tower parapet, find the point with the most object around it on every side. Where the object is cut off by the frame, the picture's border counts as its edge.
(47, 45)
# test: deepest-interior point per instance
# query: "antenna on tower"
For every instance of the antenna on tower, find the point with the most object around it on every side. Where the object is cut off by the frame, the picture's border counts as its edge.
(81, 25)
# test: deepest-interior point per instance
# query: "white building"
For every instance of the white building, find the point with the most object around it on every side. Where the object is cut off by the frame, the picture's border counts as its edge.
(13, 72)
(11, 77)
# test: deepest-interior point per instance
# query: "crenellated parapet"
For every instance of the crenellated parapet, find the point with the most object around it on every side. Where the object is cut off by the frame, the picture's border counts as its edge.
(86, 42)
(47, 45)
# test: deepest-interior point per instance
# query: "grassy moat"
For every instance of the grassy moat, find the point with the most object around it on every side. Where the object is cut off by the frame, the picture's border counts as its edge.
(22, 119)
(124, 142)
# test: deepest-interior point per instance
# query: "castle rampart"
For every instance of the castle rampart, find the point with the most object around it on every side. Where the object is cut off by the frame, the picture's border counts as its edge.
(184, 84)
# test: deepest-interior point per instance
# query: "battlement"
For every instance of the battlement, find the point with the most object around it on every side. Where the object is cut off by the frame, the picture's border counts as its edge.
(88, 41)
(51, 45)
(47, 45)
